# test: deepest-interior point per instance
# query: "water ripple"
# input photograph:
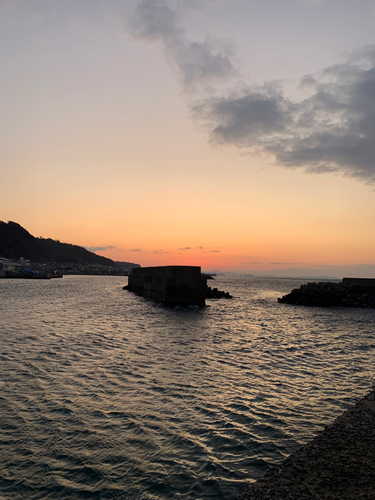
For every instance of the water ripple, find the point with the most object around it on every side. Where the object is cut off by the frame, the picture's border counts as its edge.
(106, 395)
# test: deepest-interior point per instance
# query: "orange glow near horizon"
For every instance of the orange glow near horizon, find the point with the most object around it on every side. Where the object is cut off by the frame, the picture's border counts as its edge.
(240, 227)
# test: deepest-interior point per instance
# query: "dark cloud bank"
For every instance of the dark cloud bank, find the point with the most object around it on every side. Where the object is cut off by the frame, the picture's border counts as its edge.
(333, 130)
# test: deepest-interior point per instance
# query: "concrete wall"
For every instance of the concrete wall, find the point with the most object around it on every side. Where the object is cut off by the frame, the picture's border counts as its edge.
(362, 285)
(172, 285)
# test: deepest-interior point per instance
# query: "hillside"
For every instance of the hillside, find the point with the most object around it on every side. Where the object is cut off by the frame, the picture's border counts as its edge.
(16, 242)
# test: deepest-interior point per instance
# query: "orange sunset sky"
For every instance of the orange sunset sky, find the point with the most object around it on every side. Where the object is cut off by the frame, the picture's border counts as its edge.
(235, 135)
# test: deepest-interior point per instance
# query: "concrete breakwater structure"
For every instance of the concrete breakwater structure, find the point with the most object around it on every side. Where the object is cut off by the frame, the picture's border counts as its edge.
(171, 285)
(361, 285)
(350, 292)
(338, 464)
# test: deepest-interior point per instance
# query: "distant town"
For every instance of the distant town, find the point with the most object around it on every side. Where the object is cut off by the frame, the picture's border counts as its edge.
(25, 266)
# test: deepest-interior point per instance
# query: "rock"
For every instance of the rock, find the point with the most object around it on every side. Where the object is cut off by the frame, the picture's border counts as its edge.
(217, 294)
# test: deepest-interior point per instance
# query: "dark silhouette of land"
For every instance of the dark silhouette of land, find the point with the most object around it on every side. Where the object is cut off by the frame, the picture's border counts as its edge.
(17, 242)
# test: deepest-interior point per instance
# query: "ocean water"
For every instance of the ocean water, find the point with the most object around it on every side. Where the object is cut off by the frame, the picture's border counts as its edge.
(105, 395)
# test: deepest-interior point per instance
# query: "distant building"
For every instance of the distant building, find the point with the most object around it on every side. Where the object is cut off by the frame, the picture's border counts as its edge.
(24, 262)
(9, 265)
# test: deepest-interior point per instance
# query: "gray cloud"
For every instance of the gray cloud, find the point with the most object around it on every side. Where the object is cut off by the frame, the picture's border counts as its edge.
(135, 250)
(197, 63)
(244, 117)
(333, 130)
(185, 248)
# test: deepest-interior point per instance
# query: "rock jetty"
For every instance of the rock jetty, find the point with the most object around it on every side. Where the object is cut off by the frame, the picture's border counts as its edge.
(338, 464)
(330, 294)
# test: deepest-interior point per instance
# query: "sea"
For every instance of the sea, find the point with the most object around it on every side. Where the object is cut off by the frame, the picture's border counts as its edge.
(106, 395)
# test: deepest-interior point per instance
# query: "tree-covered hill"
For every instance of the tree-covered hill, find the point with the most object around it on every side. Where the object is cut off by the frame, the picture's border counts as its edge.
(65, 252)
(16, 242)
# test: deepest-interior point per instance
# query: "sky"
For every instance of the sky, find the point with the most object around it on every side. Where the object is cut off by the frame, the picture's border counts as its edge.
(237, 135)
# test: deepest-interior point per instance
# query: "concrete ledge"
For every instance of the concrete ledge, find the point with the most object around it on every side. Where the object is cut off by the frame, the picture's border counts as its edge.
(339, 464)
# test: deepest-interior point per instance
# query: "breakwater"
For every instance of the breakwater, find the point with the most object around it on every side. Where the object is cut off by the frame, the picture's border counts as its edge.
(174, 285)
(171, 285)
(331, 294)
(338, 463)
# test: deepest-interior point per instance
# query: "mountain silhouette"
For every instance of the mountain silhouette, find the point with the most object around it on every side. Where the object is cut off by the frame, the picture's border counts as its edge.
(16, 242)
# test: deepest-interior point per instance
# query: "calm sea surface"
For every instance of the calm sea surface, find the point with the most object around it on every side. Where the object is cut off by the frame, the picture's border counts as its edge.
(106, 395)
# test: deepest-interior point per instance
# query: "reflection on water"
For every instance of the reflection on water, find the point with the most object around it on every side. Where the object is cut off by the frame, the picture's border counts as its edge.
(106, 395)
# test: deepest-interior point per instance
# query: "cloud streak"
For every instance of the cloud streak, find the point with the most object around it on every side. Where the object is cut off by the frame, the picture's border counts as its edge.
(284, 263)
(161, 252)
(100, 249)
(198, 64)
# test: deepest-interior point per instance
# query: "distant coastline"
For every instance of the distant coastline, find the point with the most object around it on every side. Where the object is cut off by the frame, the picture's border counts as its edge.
(21, 250)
